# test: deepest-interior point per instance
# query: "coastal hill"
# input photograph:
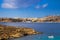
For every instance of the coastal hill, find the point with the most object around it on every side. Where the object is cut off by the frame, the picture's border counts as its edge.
(44, 19)
(7, 32)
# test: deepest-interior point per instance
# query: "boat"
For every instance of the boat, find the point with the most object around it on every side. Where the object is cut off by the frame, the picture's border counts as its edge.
(51, 36)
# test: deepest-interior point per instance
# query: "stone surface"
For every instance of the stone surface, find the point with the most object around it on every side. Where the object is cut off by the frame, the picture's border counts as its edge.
(14, 32)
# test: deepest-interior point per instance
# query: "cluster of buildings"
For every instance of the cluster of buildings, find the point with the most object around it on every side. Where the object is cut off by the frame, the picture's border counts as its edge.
(44, 19)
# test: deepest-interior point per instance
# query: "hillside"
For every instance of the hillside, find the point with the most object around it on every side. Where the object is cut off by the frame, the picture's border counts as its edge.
(44, 19)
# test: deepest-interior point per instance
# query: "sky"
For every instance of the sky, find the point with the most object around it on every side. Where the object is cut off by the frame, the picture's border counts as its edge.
(29, 8)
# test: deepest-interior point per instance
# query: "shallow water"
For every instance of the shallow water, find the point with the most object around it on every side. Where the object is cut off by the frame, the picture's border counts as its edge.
(38, 37)
(46, 28)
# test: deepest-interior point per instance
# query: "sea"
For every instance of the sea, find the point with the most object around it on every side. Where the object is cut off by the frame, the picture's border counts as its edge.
(51, 31)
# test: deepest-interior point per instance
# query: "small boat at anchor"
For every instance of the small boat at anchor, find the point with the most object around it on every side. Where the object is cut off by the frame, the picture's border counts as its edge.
(51, 36)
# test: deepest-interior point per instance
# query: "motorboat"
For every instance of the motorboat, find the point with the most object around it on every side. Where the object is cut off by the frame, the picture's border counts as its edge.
(51, 36)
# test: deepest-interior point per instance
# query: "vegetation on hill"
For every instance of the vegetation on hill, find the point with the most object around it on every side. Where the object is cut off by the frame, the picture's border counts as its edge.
(44, 19)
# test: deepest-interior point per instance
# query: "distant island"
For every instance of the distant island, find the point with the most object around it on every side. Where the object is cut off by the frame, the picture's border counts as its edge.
(44, 19)
(7, 32)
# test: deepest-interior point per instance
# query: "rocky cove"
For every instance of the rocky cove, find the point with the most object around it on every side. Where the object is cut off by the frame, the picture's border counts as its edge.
(7, 32)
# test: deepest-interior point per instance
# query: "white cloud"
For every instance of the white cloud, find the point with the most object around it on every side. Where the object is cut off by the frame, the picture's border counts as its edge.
(41, 6)
(44, 5)
(38, 6)
(9, 4)
(18, 3)
(6, 5)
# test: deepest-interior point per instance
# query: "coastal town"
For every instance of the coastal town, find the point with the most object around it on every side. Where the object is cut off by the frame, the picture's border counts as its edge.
(7, 32)
(28, 20)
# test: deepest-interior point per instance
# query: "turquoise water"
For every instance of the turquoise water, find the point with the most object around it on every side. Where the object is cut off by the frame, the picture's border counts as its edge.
(38, 37)
(46, 28)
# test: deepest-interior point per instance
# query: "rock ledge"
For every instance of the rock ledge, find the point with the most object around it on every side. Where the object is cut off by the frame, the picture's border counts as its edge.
(7, 32)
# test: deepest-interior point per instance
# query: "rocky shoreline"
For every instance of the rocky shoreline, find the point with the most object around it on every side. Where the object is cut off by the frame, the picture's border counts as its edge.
(7, 32)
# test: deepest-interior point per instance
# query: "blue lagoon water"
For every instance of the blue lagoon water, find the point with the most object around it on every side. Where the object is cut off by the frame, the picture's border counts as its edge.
(46, 28)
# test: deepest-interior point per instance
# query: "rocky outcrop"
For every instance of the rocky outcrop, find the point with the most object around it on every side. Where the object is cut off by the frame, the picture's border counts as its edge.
(7, 32)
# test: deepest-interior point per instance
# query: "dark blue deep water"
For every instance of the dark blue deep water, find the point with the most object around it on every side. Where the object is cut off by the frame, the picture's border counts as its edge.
(46, 28)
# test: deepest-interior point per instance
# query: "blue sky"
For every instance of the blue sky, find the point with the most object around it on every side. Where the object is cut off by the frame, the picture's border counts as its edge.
(29, 8)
